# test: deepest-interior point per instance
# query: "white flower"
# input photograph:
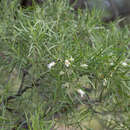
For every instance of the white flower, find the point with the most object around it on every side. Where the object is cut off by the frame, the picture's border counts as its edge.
(109, 118)
(61, 72)
(111, 63)
(121, 125)
(75, 25)
(71, 58)
(67, 63)
(81, 92)
(98, 27)
(50, 65)
(104, 82)
(66, 85)
(124, 64)
(84, 65)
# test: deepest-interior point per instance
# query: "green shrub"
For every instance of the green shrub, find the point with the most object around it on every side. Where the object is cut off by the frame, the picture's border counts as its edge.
(49, 54)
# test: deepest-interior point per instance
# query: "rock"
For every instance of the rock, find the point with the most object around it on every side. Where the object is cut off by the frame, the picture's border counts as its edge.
(27, 3)
(112, 9)
(115, 9)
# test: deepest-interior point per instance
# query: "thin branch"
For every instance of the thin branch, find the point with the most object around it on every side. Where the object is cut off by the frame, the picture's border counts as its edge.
(22, 82)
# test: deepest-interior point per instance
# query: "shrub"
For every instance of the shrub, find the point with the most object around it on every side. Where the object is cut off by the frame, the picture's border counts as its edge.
(56, 65)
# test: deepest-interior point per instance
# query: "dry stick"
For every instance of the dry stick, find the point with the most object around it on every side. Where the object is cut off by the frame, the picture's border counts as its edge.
(17, 95)
(21, 91)
(22, 82)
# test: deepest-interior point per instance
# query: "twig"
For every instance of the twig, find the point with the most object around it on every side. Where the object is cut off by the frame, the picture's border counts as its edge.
(22, 82)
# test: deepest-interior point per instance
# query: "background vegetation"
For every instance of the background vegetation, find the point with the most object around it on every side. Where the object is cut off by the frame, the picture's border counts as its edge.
(60, 69)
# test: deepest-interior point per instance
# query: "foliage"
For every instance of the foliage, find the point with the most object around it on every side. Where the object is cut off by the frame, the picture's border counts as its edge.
(48, 54)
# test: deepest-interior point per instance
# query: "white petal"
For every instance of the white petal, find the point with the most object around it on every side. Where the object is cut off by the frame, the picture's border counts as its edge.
(81, 92)
(124, 64)
(111, 63)
(84, 65)
(67, 63)
(104, 82)
(50, 65)
(71, 59)
(61, 72)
